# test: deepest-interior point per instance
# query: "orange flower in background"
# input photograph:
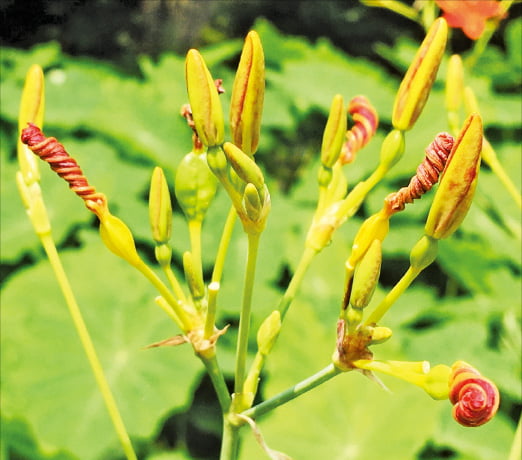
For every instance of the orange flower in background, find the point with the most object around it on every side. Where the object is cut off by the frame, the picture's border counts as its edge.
(469, 15)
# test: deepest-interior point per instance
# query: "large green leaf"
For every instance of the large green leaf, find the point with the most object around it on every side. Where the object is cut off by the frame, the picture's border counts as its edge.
(45, 374)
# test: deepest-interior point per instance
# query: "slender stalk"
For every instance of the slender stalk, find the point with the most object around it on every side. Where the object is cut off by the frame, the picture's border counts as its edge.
(88, 346)
(194, 227)
(500, 172)
(219, 263)
(244, 319)
(174, 283)
(293, 392)
(295, 282)
(516, 447)
(393, 295)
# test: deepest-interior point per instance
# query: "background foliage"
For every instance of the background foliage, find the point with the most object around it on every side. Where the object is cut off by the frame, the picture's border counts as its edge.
(113, 99)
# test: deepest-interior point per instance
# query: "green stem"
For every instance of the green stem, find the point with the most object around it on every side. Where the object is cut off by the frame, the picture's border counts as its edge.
(88, 346)
(230, 441)
(174, 283)
(293, 392)
(516, 447)
(218, 380)
(500, 172)
(393, 295)
(244, 319)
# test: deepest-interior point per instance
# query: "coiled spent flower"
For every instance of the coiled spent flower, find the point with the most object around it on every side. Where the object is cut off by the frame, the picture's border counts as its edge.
(475, 398)
(427, 174)
(366, 120)
(54, 153)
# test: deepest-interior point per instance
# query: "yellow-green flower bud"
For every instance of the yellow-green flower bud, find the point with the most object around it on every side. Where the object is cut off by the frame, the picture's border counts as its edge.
(416, 84)
(252, 202)
(423, 253)
(160, 207)
(194, 281)
(375, 227)
(334, 132)
(248, 93)
(204, 100)
(392, 149)
(268, 332)
(380, 334)
(118, 238)
(454, 83)
(366, 276)
(458, 183)
(245, 167)
(31, 110)
(195, 186)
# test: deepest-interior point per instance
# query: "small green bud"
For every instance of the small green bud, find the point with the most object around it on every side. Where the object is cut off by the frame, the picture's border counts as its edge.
(392, 149)
(248, 92)
(423, 253)
(195, 186)
(118, 238)
(380, 334)
(252, 202)
(334, 133)
(245, 167)
(194, 281)
(160, 207)
(416, 84)
(459, 180)
(366, 276)
(268, 332)
(204, 100)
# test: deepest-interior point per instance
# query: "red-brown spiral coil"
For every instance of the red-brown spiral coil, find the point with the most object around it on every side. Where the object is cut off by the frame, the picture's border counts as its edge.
(475, 398)
(365, 125)
(51, 151)
(427, 174)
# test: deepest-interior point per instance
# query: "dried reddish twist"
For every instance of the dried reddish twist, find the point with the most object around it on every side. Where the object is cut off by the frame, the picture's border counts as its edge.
(365, 125)
(51, 151)
(427, 175)
(475, 398)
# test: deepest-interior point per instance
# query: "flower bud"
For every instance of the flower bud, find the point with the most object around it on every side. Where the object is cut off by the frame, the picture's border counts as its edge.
(392, 149)
(423, 253)
(160, 207)
(459, 180)
(118, 238)
(268, 332)
(204, 100)
(454, 83)
(248, 92)
(416, 84)
(380, 334)
(366, 276)
(245, 167)
(195, 186)
(334, 133)
(31, 111)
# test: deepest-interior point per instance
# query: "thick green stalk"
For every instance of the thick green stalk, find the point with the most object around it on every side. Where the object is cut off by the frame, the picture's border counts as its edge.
(244, 319)
(293, 392)
(218, 380)
(88, 346)
(230, 441)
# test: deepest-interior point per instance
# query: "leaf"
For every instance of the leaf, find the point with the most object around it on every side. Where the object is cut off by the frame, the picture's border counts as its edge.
(46, 378)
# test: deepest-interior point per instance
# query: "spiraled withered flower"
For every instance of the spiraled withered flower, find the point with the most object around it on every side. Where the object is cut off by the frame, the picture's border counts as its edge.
(475, 398)
(366, 120)
(427, 174)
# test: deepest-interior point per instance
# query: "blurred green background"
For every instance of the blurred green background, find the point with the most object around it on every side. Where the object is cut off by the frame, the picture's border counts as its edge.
(114, 87)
